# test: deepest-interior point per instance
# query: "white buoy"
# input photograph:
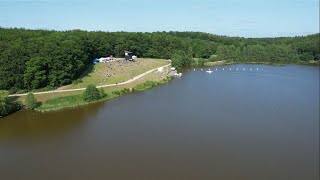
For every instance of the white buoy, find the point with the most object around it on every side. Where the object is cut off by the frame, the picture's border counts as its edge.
(237, 69)
(216, 69)
(230, 69)
(194, 69)
(201, 69)
(250, 69)
(223, 69)
(244, 69)
(257, 69)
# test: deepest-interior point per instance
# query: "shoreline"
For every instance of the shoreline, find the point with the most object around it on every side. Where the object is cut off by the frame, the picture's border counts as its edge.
(59, 99)
(101, 86)
(143, 87)
(73, 99)
(110, 96)
(221, 63)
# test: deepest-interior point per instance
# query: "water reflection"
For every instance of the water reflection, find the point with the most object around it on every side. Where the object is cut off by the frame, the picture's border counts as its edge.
(224, 125)
(26, 125)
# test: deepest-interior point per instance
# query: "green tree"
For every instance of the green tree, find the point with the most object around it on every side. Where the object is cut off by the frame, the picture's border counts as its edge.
(181, 59)
(91, 93)
(4, 103)
(7, 104)
(32, 59)
(31, 101)
(35, 75)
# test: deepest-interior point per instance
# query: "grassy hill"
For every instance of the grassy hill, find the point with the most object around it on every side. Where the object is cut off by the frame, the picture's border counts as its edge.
(115, 72)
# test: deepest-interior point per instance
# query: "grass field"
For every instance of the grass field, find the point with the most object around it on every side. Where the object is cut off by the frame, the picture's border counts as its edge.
(115, 72)
(102, 74)
(155, 76)
(58, 101)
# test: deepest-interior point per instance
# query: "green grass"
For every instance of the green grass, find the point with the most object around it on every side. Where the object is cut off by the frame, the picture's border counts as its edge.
(216, 63)
(150, 84)
(77, 100)
(68, 101)
(146, 85)
(115, 72)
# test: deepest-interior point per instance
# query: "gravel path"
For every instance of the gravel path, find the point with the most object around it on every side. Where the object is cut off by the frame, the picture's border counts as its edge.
(108, 85)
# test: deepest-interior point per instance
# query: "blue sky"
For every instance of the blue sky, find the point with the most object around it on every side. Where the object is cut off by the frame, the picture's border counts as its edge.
(247, 18)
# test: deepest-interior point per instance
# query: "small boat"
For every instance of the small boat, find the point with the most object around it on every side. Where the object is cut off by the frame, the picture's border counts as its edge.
(209, 72)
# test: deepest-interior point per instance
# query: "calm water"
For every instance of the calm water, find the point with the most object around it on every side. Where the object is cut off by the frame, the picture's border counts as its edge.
(247, 124)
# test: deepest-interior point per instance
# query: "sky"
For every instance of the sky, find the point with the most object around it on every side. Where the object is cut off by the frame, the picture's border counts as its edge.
(245, 18)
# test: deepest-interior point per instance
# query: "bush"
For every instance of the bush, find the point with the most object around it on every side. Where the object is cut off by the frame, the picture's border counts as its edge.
(7, 104)
(102, 93)
(31, 101)
(125, 91)
(146, 85)
(118, 93)
(78, 81)
(91, 94)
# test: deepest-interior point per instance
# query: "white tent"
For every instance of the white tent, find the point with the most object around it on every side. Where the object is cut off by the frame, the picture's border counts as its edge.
(160, 69)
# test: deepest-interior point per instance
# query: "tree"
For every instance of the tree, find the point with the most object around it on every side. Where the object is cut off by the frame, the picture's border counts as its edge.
(35, 75)
(32, 59)
(181, 59)
(31, 101)
(91, 94)
(4, 103)
(7, 104)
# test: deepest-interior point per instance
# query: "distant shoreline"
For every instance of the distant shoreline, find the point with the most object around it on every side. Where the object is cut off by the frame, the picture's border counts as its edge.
(221, 63)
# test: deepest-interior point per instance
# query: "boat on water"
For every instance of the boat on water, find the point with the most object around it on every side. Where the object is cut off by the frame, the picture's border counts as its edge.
(209, 72)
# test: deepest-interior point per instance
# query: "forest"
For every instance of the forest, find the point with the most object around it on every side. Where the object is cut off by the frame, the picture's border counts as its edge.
(34, 59)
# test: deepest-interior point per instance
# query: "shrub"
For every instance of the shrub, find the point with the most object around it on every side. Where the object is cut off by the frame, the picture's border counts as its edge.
(31, 101)
(91, 94)
(102, 93)
(8, 104)
(125, 91)
(116, 93)
(78, 81)
(146, 85)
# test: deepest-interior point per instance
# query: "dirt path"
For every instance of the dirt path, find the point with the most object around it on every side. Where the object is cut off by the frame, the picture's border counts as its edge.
(108, 85)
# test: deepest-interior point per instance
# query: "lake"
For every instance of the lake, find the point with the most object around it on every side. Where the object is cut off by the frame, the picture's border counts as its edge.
(247, 122)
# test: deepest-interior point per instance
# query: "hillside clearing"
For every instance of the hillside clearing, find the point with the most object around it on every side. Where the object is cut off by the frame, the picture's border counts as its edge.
(115, 72)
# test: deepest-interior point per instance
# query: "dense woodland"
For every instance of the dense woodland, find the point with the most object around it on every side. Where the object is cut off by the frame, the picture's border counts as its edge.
(33, 59)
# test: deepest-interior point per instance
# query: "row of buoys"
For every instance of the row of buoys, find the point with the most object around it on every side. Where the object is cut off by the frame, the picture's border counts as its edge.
(230, 69)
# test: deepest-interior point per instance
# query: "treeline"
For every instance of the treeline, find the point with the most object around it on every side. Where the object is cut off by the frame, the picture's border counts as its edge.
(33, 59)
(275, 50)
